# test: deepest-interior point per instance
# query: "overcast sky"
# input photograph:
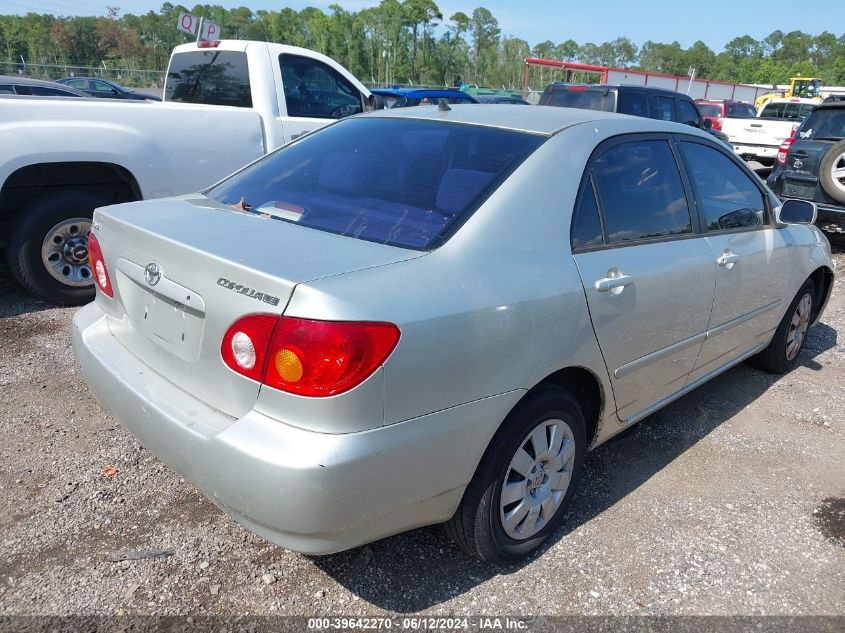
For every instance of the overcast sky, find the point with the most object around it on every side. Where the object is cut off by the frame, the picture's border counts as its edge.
(714, 22)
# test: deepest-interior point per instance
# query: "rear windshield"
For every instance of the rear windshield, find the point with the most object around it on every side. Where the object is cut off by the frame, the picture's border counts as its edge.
(401, 182)
(212, 77)
(789, 111)
(585, 99)
(824, 124)
(709, 109)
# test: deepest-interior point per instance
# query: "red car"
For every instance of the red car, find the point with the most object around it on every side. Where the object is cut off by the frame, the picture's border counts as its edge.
(717, 109)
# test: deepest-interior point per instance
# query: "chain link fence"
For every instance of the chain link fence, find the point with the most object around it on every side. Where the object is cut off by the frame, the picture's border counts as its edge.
(131, 77)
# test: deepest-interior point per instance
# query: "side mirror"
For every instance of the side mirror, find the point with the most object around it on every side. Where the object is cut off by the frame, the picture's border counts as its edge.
(796, 212)
(375, 102)
(707, 124)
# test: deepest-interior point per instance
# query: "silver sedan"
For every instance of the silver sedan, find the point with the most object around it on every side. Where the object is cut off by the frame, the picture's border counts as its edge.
(425, 315)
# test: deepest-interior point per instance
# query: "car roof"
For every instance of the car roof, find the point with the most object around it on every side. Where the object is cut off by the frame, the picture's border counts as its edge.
(420, 92)
(26, 81)
(545, 120)
(561, 85)
(831, 105)
(108, 81)
(801, 100)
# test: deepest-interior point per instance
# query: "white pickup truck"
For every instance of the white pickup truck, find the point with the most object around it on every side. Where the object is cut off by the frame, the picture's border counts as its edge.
(760, 138)
(224, 106)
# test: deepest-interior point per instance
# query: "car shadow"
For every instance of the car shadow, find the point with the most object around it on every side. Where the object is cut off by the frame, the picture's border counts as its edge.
(14, 300)
(422, 568)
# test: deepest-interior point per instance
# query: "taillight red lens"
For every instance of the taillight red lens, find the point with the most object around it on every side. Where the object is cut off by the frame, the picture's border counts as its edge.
(577, 88)
(783, 152)
(307, 357)
(98, 266)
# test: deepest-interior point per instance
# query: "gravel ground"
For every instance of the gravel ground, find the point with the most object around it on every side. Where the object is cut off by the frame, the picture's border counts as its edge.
(729, 501)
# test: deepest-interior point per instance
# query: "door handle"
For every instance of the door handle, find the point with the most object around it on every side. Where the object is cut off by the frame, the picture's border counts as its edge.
(727, 259)
(615, 282)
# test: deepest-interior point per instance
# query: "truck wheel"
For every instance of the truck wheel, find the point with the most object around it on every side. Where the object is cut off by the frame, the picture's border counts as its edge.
(832, 172)
(48, 252)
(525, 480)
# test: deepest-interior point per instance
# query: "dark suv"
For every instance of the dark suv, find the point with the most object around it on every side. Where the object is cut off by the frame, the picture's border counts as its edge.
(814, 167)
(644, 101)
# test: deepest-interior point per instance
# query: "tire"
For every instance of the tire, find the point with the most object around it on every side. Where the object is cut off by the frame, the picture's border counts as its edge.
(479, 525)
(781, 356)
(67, 218)
(834, 158)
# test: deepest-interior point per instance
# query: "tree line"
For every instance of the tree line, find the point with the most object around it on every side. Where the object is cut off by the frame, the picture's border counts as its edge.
(409, 41)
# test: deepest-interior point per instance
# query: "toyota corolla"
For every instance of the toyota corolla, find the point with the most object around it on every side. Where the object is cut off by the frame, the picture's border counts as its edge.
(427, 315)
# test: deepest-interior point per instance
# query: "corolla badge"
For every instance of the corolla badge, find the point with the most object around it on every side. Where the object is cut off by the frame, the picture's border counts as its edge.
(152, 273)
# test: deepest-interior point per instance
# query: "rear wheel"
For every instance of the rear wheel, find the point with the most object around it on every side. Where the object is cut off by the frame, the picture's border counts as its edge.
(832, 172)
(782, 353)
(48, 252)
(525, 480)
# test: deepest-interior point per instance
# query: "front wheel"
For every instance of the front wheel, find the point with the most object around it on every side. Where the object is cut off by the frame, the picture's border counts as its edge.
(782, 353)
(525, 479)
(48, 252)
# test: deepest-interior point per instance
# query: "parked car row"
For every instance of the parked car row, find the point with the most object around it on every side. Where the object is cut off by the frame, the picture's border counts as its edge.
(70, 87)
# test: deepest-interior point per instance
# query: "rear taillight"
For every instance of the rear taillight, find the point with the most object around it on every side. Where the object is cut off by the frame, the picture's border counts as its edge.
(783, 152)
(98, 266)
(577, 88)
(307, 357)
(245, 344)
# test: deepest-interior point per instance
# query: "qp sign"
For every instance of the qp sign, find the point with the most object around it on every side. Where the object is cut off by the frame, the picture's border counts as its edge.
(187, 23)
(210, 32)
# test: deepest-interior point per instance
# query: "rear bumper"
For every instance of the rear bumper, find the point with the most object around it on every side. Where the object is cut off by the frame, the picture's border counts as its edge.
(830, 218)
(760, 152)
(315, 493)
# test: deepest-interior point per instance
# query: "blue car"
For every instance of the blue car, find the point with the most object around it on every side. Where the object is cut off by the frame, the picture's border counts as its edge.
(407, 97)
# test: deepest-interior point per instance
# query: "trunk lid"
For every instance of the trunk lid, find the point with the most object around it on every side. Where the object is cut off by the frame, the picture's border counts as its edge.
(185, 269)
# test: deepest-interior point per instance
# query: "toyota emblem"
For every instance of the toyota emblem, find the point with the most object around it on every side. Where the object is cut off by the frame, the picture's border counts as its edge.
(152, 273)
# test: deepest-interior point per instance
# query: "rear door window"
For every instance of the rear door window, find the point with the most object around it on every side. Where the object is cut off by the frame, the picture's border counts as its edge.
(401, 182)
(741, 111)
(662, 108)
(710, 109)
(824, 124)
(313, 89)
(586, 225)
(641, 192)
(687, 112)
(580, 97)
(213, 77)
(725, 194)
(632, 103)
(45, 91)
